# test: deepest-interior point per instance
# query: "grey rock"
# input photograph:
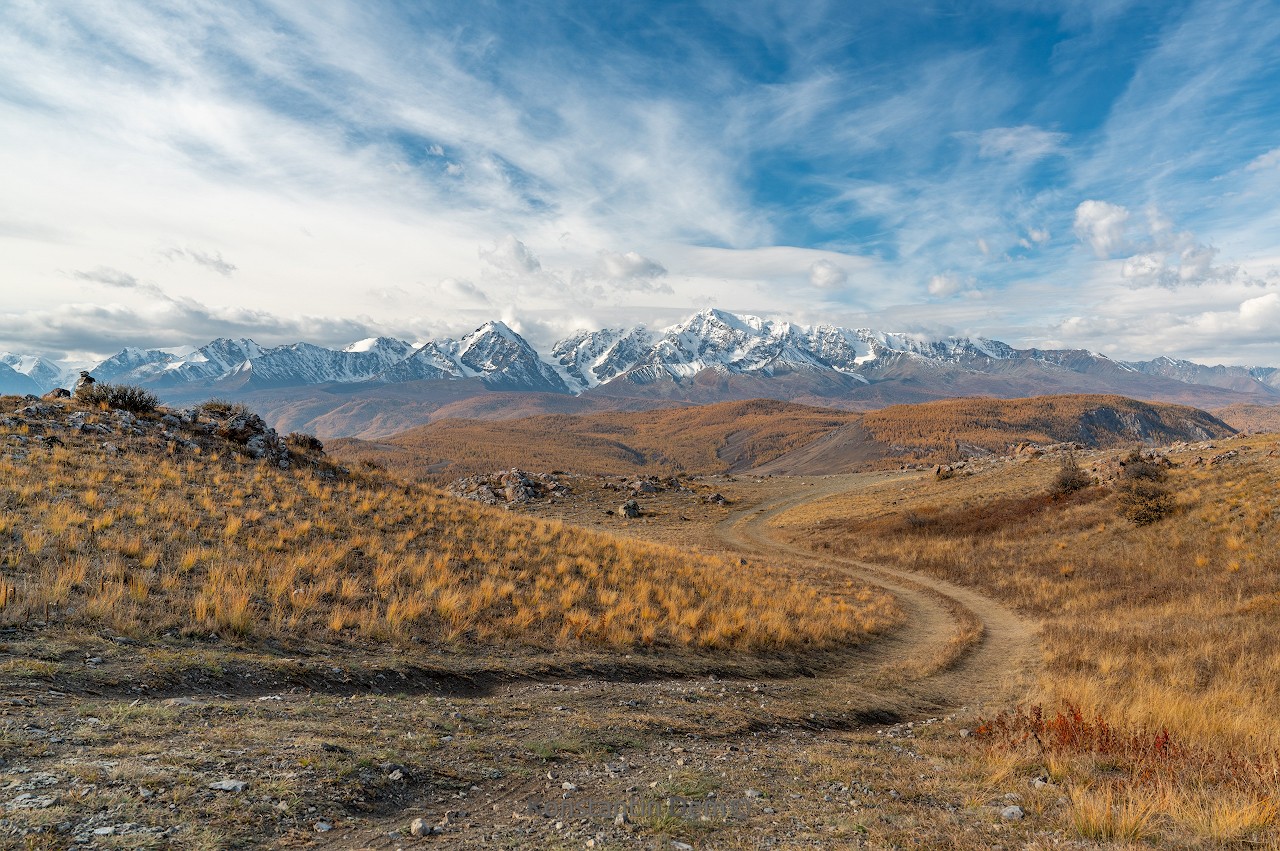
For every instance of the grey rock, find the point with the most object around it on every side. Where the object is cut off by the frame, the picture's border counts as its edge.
(630, 508)
(1012, 813)
(236, 786)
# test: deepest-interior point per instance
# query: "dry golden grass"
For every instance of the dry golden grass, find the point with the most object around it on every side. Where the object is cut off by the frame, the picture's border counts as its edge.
(1164, 628)
(937, 429)
(704, 439)
(155, 541)
(1250, 417)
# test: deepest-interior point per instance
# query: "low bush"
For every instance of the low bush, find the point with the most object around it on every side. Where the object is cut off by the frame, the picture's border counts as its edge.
(222, 408)
(124, 397)
(1141, 494)
(1070, 478)
(306, 443)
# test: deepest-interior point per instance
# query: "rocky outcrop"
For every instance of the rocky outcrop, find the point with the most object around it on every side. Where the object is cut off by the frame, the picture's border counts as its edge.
(212, 426)
(84, 382)
(509, 487)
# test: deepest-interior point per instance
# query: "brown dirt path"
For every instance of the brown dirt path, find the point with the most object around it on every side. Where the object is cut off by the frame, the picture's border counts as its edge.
(958, 647)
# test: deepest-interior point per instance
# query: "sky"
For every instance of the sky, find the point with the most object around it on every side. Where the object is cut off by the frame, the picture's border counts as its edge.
(1100, 175)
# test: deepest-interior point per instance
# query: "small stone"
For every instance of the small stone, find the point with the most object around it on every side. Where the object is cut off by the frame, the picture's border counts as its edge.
(419, 827)
(396, 775)
(323, 827)
(754, 793)
(109, 830)
(1012, 813)
(568, 787)
(236, 786)
(964, 734)
(681, 846)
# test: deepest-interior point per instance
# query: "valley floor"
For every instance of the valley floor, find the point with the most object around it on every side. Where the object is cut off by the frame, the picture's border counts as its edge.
(862, 748)
(105, 746)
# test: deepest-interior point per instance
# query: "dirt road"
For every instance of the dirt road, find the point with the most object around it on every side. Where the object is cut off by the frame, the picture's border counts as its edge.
(957, 648)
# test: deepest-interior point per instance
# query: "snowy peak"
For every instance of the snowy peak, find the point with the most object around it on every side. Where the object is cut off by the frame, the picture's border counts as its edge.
(809, 361)
(736, 344)
(592, 358)
(499, 357)
(504, 360)
(133, 365)
(45, 373)
(14, 383)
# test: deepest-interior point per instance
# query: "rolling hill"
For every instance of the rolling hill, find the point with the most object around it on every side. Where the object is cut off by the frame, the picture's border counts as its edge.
(1244, 417)
(772, 437)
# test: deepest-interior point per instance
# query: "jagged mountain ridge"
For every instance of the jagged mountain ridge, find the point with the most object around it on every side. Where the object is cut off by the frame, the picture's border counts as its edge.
(710, 357)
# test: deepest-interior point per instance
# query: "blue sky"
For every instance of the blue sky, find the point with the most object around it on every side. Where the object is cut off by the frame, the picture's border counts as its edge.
(1102, 175)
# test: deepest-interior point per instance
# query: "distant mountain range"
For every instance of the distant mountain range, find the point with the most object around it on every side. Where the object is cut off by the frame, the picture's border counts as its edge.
(382, 385)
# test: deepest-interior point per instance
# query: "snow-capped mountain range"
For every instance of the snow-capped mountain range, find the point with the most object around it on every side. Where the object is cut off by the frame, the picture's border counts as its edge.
(712, 355)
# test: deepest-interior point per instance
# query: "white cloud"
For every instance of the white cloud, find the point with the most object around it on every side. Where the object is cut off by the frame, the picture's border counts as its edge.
(460, 289)
(162, 322)
(632, 271)
(826, 275)
(510, 256)
(1024, 143)
(110, 277)
(1102, 225)
(212, 261)
(1269, 160)
(949, 283)
(1211, 336)
(1169, 258)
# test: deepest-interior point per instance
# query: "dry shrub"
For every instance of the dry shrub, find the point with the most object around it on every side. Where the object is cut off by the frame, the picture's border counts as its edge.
(124, 397)
(1071, 477)
(308, 444)
(1141, 494)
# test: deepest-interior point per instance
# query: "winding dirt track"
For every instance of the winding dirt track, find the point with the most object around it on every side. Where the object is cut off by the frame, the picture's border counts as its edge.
(957, 647)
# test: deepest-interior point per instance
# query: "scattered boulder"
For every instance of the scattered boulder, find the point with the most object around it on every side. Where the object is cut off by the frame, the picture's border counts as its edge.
(236, 786)
(509, 487)
(630, 508)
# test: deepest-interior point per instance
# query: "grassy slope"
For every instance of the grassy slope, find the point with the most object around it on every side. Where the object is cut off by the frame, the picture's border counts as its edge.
(706, 439)
(1170, 625)
(996, 424)
(738, 436)
(1251, 417)
(160, 538)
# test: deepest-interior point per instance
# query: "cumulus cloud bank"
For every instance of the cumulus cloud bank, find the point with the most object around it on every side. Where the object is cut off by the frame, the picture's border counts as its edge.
(826, 275)
(632, 271)
(1102, 226)
(1156, 254)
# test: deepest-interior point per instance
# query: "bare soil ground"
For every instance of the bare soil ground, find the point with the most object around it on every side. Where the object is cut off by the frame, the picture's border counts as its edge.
(865, 748)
